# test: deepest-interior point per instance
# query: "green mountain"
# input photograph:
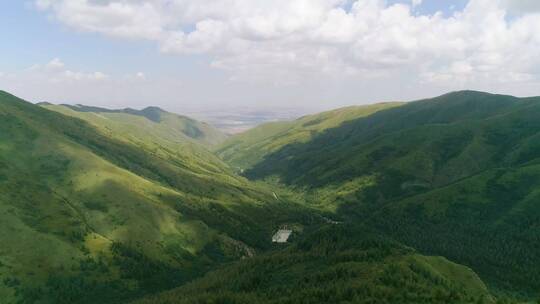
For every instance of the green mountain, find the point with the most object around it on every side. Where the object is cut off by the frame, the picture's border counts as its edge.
(249, 148)
(151, 124)
(115, 206)
(162, 134)
(455, 175)
(88, 218)
(335, 265)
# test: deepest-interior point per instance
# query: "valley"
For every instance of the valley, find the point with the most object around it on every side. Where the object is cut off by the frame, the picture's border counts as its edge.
(270, 152)
(451, 176)
(431, 201)
(94, 215)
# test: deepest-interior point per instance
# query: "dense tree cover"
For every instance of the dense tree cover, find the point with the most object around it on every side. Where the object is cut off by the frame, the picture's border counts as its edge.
(335, 265)
(96, 280)
(490, 222)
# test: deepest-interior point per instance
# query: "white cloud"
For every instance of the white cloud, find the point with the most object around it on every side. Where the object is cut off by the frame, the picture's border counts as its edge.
(57, 82)
(129, 19)
(522, 6)
(137, 77)
(294, 41)
(140, 75)
(98, 76)
(55, 64)
(56, 71)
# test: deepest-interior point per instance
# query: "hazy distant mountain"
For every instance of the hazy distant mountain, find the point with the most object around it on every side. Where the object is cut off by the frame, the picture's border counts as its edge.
(238, 120)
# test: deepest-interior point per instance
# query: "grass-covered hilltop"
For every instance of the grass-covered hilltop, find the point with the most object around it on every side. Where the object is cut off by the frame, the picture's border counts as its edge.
(150, 124)
(432, 201)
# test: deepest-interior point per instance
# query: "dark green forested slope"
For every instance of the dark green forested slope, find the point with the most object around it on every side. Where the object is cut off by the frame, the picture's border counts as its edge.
(490, 222)
(424, 139)
(455, 175)
(88, 218)
(339, 264)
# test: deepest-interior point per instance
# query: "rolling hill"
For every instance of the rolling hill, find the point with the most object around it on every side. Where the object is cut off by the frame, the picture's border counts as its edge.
(249, 148)
(164, 135)
(149, 124)
(88, 218)
(454, 176)
(421, 137)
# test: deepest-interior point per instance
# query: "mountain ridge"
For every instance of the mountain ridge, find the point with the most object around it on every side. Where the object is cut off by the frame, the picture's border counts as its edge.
(157, 123)
(86, 217)
(414, 170)
(406, 202)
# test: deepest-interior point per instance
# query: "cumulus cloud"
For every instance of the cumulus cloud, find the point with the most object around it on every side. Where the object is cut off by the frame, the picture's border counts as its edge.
(130, 19)
(290, 41)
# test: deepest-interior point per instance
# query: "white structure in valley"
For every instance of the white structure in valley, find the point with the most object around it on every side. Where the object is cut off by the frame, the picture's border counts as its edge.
(281, 236)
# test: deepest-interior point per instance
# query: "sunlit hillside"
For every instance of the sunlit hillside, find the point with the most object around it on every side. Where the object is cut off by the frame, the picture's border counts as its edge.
(89, 218)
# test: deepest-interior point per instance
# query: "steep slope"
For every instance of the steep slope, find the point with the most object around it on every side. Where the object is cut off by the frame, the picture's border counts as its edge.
(151, 124)
(454, 176)
(335, 265)
(247, 149)
(88, 218)
(490, 222)
(420, 138)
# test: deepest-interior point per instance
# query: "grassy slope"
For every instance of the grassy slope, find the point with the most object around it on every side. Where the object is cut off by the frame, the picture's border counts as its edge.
(247, 149)
(88, 218)
(335, 265)
(158, 133)
(148, 125)
(452, 176)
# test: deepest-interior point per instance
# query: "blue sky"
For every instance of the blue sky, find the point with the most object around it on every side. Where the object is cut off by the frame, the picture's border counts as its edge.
(292, 53)
(36, 38)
